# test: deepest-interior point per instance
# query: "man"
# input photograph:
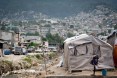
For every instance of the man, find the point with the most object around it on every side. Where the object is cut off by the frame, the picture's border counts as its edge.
(24, 50)
(94, 62)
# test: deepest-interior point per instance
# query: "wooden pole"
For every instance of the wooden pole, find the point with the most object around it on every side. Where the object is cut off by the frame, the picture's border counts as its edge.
(44, 59)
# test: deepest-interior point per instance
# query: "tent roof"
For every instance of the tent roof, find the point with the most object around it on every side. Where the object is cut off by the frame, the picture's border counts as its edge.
(81, 39)
(84, 38)
(76, 37)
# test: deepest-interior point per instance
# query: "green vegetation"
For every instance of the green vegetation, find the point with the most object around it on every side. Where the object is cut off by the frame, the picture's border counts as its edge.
(5, 66)
(44, 39)
(28, 59)
(27, 62)
(3, 28)
(9, 63)
(33, 58)
(52, 55)
(115, 27)
(15, 29)
(32, 34)
(38, 56)
(53, 38)
(47, 25)
(32, 44)
(70, 34)
(102, 33)
(109, 31)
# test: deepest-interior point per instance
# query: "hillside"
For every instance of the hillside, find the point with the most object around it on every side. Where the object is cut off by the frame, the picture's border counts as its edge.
(53, 8)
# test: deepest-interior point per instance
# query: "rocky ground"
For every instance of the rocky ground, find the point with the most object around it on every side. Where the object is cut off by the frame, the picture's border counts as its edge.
(23, 64)
(36, 69)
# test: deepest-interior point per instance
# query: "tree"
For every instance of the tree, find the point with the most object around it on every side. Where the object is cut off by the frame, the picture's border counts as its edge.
(15, 29)
(32, 44)
(56, 39)
(71, 26)
(28, 34)
(102, 33)
(44, 39)
(109, 31)
(36, 33)
(3, 28)
(70, 34)
(32, 34)
(115, 27)
(50, 37)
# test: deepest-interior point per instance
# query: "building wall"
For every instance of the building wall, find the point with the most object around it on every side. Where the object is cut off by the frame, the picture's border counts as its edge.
(5, 35)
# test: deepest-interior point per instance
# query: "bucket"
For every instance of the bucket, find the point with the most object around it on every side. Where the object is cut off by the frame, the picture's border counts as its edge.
(104, 72)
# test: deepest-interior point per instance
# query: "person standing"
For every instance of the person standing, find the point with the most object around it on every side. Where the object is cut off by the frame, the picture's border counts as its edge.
(94, 62)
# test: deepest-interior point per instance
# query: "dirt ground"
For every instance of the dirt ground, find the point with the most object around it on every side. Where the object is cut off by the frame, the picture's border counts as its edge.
(12, 57)
(53, 69)
(56, 70)
(61, 71)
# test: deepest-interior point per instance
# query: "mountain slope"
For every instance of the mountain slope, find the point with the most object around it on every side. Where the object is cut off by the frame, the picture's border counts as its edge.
(54, 8)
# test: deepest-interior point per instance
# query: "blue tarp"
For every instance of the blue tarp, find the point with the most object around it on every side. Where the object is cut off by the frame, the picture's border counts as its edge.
(7, 52)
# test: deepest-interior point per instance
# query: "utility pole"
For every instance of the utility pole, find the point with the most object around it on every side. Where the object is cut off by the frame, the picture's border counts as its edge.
(43, 49)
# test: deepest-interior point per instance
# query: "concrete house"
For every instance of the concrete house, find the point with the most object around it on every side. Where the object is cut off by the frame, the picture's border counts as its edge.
(6, 39)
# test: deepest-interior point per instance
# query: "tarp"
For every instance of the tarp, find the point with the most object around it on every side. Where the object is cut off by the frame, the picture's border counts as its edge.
(112, 40)
(79, 51)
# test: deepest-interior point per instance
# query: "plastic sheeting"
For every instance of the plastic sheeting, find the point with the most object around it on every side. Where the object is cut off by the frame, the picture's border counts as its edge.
(84, 47)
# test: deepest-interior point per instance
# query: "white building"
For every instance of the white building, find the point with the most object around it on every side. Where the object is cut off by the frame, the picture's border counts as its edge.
(36, 39)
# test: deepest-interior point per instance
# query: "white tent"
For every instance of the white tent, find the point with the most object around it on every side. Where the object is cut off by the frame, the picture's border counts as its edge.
(79, 51)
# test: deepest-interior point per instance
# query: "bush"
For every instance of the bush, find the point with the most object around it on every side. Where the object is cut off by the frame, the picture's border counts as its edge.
(38, 56)
(42, 55)
(28, 59)
(5, 66)
(32, 44)
(52, 55)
